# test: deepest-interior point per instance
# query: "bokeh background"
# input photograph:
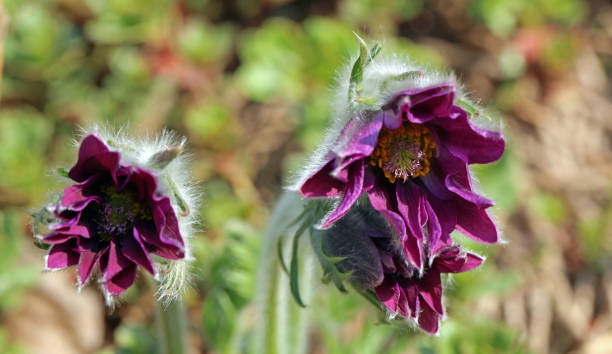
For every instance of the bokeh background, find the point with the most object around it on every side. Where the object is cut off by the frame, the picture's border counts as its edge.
(248, 83)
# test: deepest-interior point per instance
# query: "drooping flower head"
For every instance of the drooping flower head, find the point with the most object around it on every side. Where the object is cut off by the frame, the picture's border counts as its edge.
(128, 209)
(367, 252)
(405, 136)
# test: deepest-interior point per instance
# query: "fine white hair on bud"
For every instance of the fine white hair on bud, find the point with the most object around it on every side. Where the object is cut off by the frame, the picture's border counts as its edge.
(164, 156)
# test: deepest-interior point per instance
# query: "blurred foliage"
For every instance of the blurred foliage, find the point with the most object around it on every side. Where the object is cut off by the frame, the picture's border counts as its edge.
(248, 82)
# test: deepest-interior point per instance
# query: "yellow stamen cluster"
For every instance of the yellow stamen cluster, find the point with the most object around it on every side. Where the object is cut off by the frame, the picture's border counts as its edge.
(405, 152)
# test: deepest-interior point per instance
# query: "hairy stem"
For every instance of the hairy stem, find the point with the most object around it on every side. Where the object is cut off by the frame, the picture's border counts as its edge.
(282, 325)
(171, 326)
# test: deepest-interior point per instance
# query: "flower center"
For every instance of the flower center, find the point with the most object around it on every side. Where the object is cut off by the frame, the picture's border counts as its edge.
(405, 152)
(118, 212)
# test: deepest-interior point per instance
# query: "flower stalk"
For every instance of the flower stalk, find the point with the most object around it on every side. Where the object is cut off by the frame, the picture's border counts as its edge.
(282, 324)
(171, 327)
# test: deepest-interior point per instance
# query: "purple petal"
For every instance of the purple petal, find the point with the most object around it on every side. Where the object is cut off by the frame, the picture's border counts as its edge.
(380, 201)
(362, 142)
(446, 215)
(135, 251)
(430, 290)
(146, 183)
(166, 224)
(392, 119)
(148, 234)
(75, 196)
(461, 184)
(475, 223)
(463, 263)
(55, 238)
(471, 261)
(434, 182)
(388, 293)
(121, 281)
(412, 297)
(434, 229)
(62, 255)
(68, 229)
(450, 260)
(352, 192)
(117, 262)
(468, 142)
(87, 261)
(413, 249)
(430, 103)
(94, 157)
(404, 308)
(429, 320)
(322, 184)
(411, 205)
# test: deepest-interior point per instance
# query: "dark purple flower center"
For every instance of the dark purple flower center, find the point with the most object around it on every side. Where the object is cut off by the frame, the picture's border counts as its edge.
(116, 215)
(405, 152)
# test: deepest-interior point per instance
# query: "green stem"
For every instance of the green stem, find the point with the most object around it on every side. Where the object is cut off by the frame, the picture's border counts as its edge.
(282, 325)
(172, 327)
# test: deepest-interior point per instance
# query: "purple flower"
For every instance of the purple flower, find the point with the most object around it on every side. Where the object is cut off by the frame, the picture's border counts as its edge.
(366, 249)
(113, 219)
(411, 157)
(407, 293)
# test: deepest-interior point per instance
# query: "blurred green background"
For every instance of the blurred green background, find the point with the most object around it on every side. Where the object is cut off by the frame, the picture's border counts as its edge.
(248, 83)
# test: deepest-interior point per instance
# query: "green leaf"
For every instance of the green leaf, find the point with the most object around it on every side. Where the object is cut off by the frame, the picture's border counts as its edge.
(357, 70)
(360, 63)
(373, 53)
(279, 251)
(293, 271)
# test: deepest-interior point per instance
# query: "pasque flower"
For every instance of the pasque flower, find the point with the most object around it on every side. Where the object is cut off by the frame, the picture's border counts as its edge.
(406, 292)
(408, 147)
(125, 211)
(368, 251)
